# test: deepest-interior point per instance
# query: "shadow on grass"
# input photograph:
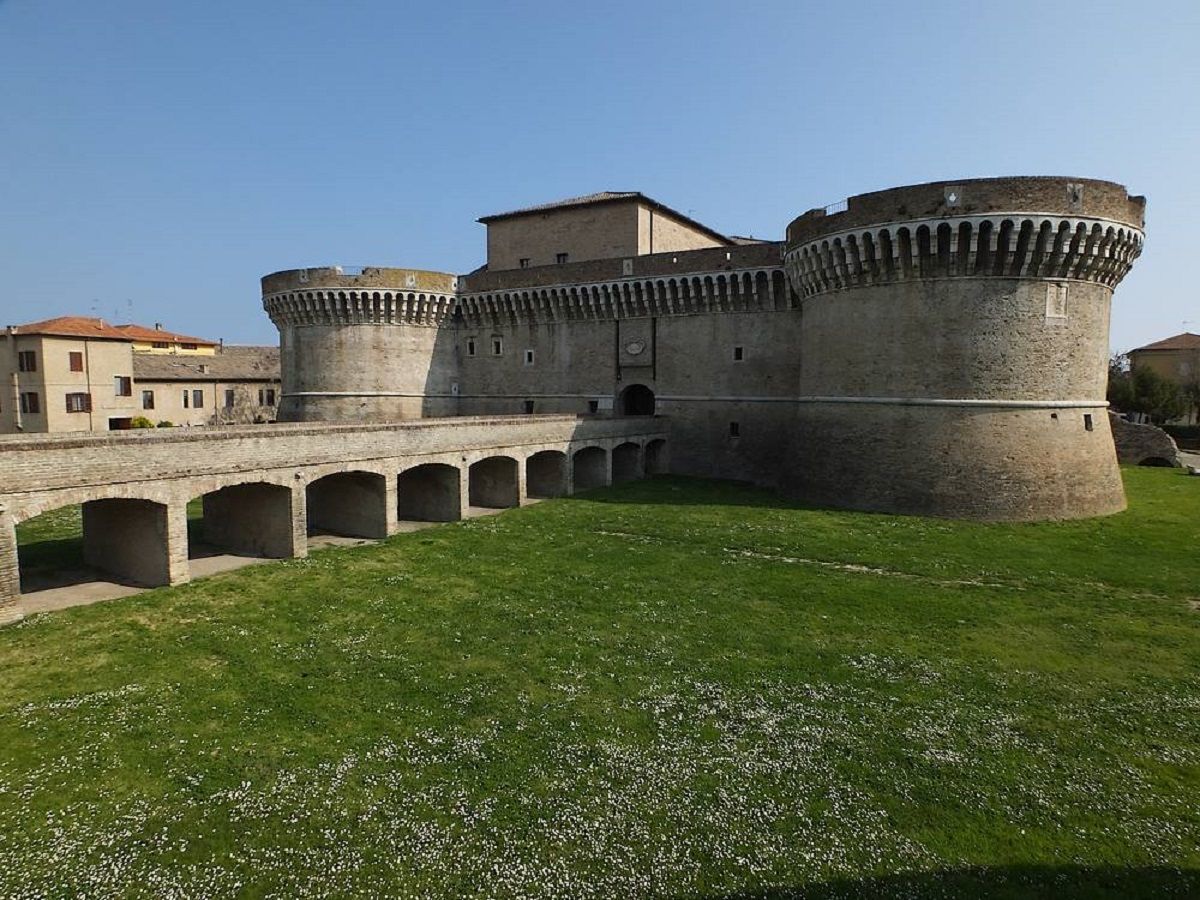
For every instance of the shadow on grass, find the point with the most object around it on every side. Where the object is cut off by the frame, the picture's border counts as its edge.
(680, 490)
(54, 564)
(1006, 882)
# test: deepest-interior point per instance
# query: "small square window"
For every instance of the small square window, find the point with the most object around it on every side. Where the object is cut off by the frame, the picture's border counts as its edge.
(739, 354)
(593, 406)
(529, 357)
(122, 386)
(198, 399)
(497, 347)
(561, 258)
(76, 360)
(524, 262)
(27, 361)
(529, 407)
(735, 430)
(471, 347)
(147, 399)
(79, 403)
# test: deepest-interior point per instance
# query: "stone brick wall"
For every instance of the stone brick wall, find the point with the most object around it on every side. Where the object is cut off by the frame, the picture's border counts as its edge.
(256, 482)
(1136, 444)
(968, 326)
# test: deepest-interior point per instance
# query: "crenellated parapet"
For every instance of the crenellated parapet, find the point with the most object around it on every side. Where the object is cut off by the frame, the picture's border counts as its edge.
(1007, 246)
(725, 291)
(955, 347)
(1041, 228)
(365, 296)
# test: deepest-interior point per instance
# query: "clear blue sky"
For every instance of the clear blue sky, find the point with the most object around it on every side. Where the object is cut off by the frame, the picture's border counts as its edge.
(161, 157)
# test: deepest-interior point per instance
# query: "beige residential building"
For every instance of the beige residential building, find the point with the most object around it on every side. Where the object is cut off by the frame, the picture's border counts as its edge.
(231, 386)
(1176, 358)
(66, 374)
(76, 373)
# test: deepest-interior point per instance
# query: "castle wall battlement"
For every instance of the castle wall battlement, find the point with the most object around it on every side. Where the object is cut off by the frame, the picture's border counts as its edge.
(937, 348)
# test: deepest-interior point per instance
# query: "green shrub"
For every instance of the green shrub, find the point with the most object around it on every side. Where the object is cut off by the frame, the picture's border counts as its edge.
(140, 422)
(166, 424)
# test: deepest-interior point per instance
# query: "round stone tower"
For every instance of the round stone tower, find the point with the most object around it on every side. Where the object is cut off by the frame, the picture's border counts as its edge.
(954, 347)
(363, 344)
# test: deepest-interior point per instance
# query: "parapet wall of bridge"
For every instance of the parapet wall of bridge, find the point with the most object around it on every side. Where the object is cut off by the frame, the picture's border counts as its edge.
(264, 487)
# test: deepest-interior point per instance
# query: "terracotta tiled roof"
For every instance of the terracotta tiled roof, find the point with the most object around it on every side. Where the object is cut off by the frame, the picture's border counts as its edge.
(227, 364)
(142, 333)
(1185, 341)
(608, 197)
(73, 326)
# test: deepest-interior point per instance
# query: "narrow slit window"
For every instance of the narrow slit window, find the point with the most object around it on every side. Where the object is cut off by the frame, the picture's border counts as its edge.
(735, 429)
(739, 353)
(1087, 421)
(471, 347)
(529, 357)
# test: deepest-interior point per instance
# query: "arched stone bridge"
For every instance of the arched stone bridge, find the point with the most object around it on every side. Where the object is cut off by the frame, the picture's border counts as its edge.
(264, 488)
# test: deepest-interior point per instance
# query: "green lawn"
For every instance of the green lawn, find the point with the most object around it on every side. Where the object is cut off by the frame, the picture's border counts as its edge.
(671, 688)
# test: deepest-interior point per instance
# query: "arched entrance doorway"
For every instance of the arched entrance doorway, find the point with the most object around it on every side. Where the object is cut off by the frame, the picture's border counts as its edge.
(636, 400)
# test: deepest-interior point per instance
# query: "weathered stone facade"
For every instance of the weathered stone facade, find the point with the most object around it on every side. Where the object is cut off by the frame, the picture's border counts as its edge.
(936, 349)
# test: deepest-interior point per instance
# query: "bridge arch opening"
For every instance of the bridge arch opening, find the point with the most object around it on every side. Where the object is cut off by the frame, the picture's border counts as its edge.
(353, 504)
(429, 493)
(656, 457)
(123, 540)
(546, 474)
(493, 483)
(626, 462)
(590, 468)
(253, 519)
(636, 400)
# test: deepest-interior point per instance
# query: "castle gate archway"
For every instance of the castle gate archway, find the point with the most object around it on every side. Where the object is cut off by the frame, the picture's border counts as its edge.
(636, 400)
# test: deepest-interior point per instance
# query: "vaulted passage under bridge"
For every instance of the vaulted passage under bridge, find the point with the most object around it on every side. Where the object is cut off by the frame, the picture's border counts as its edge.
(157, 506)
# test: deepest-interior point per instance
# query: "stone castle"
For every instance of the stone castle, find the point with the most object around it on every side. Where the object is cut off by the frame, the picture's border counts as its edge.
(937, 349)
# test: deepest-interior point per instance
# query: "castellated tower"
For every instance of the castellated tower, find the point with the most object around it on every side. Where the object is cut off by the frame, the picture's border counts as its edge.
(954, 348)
(401, 366)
